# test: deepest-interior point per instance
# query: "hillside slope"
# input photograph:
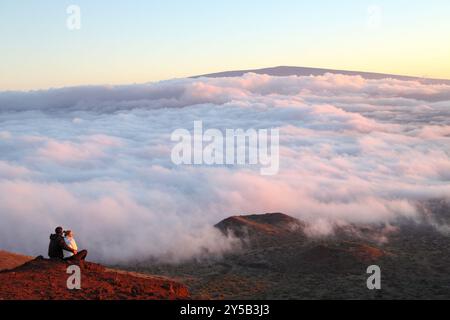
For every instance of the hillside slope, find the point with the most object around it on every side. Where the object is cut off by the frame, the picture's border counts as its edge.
(278, 261)
(42, 279)
(9, 260)
(269, 224)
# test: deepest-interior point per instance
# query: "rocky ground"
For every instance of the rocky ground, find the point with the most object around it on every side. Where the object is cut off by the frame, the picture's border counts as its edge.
(42, 279)
(9, 260)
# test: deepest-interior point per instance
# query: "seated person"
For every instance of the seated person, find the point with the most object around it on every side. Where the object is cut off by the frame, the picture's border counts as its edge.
(58, 245)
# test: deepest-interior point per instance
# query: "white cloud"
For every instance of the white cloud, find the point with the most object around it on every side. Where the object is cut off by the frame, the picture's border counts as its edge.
(97, 159)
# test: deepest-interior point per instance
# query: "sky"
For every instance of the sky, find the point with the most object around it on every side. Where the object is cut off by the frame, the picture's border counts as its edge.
(145, 41)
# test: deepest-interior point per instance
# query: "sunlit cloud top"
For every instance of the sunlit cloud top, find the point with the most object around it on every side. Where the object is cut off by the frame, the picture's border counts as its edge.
(98, 159)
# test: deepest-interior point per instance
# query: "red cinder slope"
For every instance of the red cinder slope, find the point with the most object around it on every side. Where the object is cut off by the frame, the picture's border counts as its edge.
(10, 260)
(42, 279)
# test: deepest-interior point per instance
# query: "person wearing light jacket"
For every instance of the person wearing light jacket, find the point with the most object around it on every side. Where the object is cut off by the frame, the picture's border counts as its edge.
(71, 243)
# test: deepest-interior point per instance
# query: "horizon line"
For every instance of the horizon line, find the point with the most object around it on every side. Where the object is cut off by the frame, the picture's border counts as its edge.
(229, 73)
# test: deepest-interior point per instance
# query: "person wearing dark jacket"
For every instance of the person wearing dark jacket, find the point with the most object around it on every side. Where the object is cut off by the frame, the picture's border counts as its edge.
(57, 245)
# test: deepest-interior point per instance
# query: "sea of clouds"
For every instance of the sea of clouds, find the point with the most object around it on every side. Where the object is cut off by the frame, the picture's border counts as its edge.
(97, 160)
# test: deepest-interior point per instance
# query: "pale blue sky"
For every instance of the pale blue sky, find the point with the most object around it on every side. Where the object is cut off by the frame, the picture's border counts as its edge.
(140, 41)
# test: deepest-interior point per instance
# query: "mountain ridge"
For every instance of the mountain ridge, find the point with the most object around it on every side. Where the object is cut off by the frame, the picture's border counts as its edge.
(269, 223)
(284, 71)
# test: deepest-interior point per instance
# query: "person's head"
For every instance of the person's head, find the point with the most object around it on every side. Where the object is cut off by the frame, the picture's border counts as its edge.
(68, 233)
(59, 230)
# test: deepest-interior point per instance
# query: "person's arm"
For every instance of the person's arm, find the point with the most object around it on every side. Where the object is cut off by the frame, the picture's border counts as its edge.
(64, 246)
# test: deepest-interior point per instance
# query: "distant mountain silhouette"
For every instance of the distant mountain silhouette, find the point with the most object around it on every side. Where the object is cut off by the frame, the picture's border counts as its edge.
(284, 71)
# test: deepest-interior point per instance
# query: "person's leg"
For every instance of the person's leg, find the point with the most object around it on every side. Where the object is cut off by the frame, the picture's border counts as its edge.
(80, 256)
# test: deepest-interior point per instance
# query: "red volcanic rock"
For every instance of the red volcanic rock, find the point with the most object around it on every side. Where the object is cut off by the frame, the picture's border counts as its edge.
(10, 260)
(266, 224)
(366, 253)
(42, 279)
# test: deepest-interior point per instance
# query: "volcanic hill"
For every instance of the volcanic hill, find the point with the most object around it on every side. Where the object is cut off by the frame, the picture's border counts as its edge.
(281, 259)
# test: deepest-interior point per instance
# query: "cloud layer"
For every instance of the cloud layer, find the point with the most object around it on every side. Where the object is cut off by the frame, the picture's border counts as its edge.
(97, 159)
